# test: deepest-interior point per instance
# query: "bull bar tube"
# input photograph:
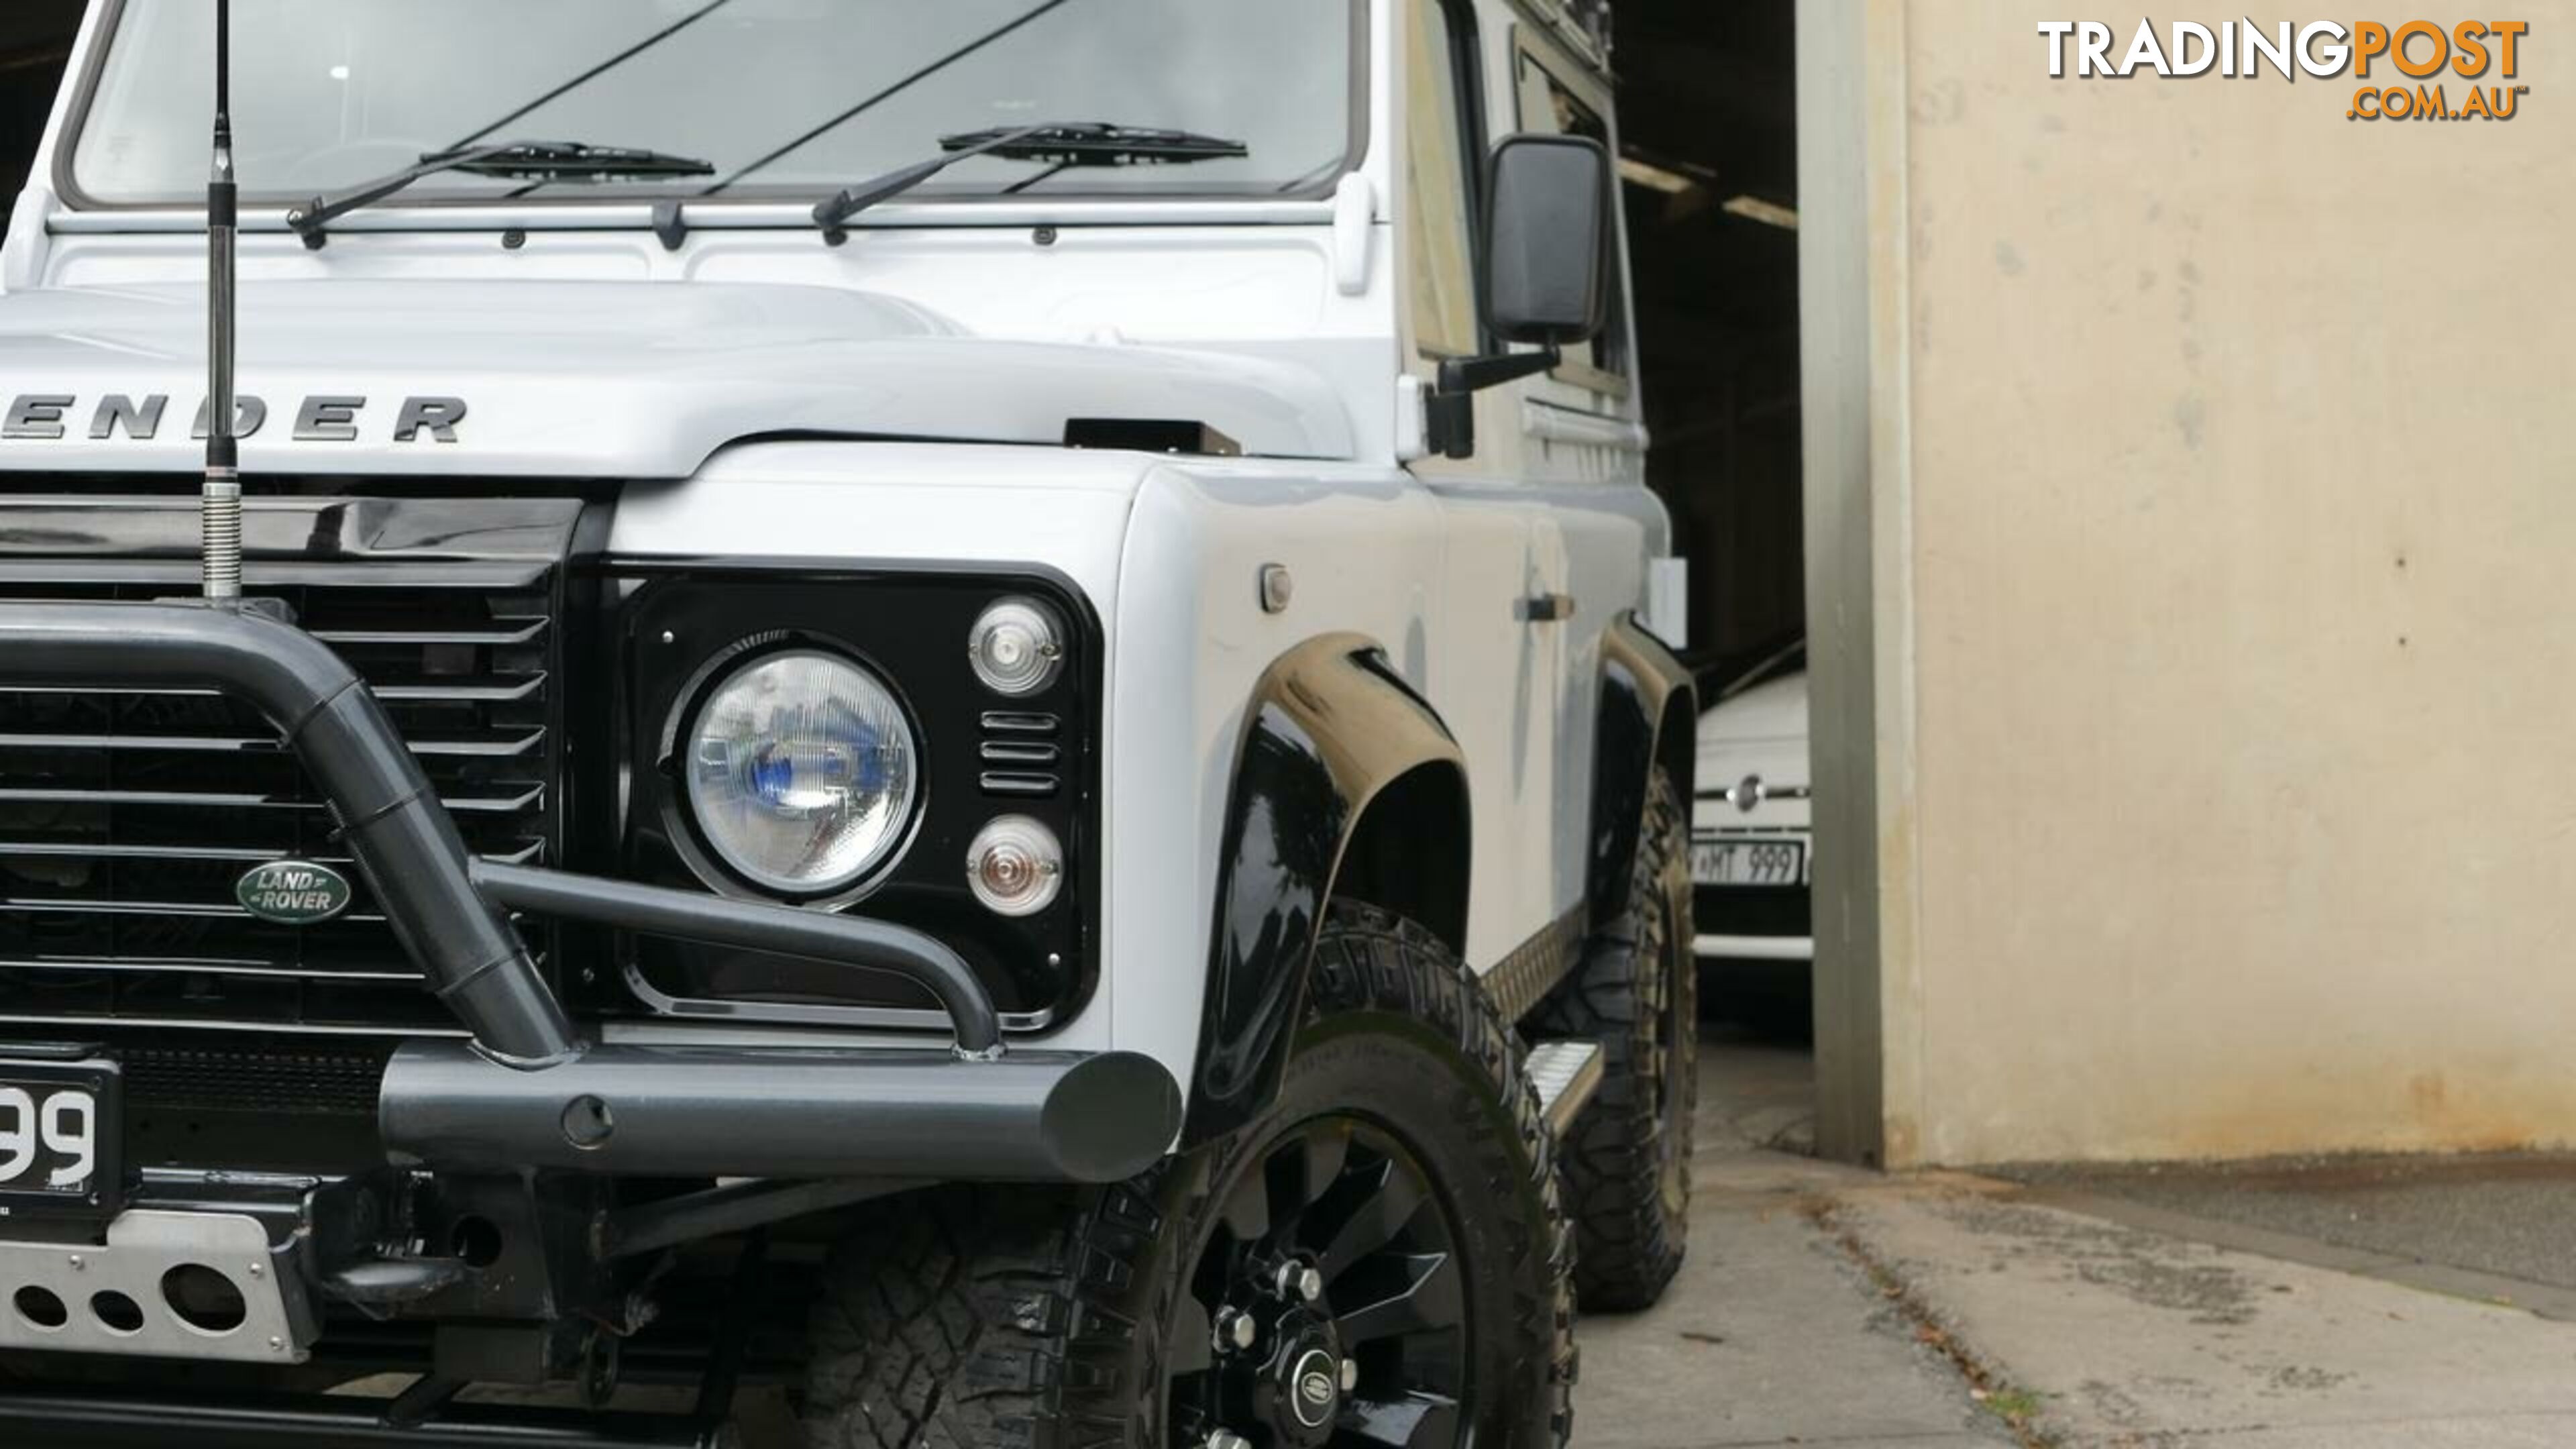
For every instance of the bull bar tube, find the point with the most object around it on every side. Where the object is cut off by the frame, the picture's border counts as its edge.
(528, 1090)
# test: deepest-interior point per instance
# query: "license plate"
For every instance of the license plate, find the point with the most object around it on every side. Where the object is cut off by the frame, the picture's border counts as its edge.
(58, 1137)
(1749, 862)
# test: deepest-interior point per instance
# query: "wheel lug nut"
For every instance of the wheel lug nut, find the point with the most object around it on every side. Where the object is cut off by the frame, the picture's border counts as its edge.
(1300, 1283)
(1350, 1374)
(1235, 1331)
(1227, 1439)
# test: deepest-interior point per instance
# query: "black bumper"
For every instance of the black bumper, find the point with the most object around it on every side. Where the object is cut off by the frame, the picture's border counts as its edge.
(1787, 911)
(700, 1112)
(530, 1091)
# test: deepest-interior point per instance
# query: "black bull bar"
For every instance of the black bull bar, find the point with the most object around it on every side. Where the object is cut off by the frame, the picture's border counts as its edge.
(528, 1090)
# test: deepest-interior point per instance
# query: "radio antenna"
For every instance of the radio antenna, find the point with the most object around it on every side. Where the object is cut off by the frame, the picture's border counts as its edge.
(220, 505)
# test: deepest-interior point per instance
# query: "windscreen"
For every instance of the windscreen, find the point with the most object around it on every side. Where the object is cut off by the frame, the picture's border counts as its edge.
(779, 96)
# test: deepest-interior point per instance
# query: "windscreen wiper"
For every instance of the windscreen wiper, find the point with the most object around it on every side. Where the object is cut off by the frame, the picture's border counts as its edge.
(1060, 143)
(517, 160)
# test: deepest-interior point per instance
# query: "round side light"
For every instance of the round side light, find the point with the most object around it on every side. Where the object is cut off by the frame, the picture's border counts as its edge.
(1017, 647)
(1015, 867)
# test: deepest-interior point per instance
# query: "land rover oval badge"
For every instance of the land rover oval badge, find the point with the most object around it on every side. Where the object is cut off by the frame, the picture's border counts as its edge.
(293, 892)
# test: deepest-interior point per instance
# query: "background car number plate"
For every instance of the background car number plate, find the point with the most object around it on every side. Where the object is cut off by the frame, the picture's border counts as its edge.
(1749, 862)
(58, 1137)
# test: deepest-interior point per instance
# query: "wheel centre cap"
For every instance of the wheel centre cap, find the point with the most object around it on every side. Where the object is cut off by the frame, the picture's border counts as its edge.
(1314, 1388)
(1298, 1392)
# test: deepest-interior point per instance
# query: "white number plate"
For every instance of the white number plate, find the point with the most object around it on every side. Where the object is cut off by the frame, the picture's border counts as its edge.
(1749, 862)
(57, 1150)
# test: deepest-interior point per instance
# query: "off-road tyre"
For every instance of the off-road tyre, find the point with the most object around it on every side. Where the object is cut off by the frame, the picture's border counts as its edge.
(1024, 1318)
(1628, 1156)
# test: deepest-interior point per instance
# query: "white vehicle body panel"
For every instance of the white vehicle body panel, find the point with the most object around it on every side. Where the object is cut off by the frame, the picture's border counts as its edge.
(694, 367)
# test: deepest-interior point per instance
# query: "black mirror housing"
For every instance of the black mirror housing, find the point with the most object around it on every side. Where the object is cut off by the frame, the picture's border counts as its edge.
(1550, 245)
(1548, 238)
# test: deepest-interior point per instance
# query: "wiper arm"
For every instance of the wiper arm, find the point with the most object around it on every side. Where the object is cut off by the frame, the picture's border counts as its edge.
(524, 160)
(1066, 144)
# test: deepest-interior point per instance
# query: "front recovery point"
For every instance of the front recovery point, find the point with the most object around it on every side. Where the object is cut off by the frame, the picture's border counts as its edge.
(790, 1128)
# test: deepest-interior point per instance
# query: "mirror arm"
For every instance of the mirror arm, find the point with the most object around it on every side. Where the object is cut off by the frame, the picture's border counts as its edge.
(1475, 374)
(1451, 408)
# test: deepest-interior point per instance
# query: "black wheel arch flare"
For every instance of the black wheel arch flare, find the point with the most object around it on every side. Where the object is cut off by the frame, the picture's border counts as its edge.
(1340, 764)
(1649, 716)
(1348, 783)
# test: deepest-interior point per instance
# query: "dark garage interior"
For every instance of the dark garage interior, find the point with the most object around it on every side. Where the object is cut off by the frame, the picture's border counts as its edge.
(1708, 113)
(35, 39)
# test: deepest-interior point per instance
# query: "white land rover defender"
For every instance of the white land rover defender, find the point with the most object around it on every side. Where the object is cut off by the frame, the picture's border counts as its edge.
(943, 725)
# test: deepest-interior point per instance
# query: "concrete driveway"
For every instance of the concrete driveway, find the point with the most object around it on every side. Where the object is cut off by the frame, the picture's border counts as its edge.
(1776, 1334)
(2285, 1306)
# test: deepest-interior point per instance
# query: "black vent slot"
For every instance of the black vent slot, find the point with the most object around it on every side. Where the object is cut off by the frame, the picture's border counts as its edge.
(268, 1080)
(1151, 435)
(1019, 745)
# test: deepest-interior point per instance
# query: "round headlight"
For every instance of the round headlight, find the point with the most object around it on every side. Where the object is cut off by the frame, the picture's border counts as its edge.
(1017, 647)
(802, 772)
(1015, 867)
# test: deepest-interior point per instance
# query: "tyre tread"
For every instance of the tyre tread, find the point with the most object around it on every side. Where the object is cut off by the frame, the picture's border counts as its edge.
(1631, 1246)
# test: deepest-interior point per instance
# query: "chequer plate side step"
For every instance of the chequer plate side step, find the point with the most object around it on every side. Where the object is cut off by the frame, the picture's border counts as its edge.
(1566, 1074)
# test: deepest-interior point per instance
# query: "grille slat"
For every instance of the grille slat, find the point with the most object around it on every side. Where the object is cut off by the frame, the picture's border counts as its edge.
(508, 747)
(205, 965)
(128, 816)
(163, 578)
(522, 798)
(209, 745)
(192, 910)
(463, 691)
(524, 854)
(511, 631)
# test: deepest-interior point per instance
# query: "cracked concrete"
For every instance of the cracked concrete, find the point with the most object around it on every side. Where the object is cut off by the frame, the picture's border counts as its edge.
(1828, 1306)
(1774, 1335)
(2141, 1340)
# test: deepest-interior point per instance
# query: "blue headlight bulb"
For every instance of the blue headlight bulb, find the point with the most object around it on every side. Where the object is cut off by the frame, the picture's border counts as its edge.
(773, 775)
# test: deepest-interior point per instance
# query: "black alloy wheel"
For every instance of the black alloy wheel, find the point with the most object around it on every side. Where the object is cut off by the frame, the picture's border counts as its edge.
(1328, 1309)
(1379, 1260)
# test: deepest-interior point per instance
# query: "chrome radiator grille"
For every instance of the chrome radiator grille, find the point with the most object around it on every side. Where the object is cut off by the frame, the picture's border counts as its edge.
(126, 818)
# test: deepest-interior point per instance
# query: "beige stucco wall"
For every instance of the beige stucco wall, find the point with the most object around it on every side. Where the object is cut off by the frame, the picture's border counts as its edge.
(2234, 567)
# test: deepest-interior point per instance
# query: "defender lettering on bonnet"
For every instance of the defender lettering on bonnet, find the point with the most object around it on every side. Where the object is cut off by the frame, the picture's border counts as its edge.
(325, 418)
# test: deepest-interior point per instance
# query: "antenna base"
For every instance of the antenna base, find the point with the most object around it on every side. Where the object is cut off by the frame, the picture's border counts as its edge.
(220, 505)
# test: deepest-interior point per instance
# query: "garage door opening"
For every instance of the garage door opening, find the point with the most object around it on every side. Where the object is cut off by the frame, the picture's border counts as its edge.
(1710, 160)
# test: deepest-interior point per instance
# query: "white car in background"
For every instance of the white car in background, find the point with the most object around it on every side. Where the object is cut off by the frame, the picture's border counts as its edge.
(1752, 837)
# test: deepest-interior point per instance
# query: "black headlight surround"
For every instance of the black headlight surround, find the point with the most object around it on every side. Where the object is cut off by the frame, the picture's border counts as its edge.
(682, 625)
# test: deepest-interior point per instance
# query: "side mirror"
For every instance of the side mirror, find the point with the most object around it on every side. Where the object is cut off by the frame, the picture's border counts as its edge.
(1548, 239)
(1548, 243)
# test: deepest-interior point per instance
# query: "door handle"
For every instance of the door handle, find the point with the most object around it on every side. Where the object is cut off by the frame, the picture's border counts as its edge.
(1545, 609)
